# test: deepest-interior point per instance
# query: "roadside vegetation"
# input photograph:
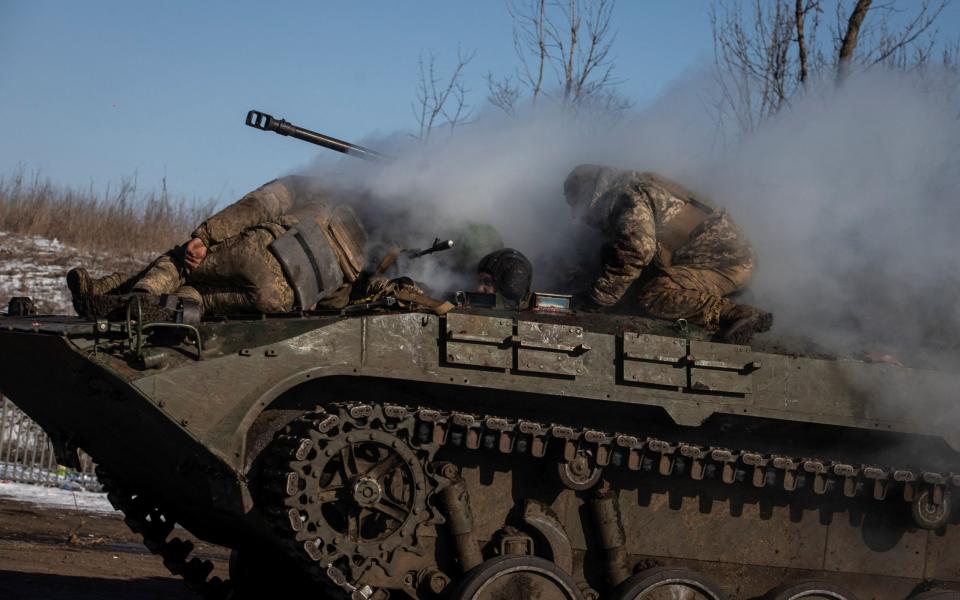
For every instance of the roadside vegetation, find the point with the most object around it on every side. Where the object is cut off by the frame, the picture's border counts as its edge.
(121, 220)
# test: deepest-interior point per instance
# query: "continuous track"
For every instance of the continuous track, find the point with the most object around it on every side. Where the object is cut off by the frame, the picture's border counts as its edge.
(416, 434)
(145, 518)
(928, 490)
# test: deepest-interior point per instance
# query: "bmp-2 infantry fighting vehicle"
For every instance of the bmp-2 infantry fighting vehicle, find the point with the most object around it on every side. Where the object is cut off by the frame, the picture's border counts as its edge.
(488, 454)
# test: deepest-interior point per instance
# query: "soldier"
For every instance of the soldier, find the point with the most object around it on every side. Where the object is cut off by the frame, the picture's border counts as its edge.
(506, 272)
(679, 257)
(284, 246)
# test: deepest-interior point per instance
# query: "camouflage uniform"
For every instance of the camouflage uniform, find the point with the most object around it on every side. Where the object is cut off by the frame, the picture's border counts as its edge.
(699, 255)
(239, 273)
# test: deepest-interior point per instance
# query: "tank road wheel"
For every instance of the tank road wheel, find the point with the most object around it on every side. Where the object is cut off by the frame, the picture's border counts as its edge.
(667, 583)
(581, 473)
(812, 590)
(927, 514)
(517, 577)
(354, 488)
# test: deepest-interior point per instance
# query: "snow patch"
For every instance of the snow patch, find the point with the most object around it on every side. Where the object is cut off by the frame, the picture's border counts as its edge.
(35, 266)
(56, 498)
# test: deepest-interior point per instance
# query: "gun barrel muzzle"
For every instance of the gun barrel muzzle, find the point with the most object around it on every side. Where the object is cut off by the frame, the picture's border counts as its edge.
(265, 122)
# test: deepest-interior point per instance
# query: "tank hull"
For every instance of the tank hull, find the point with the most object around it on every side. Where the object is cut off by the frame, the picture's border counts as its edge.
(751, 467)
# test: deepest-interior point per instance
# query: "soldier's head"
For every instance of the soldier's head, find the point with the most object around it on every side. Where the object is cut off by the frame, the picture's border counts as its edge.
(505, 272)
(585, 185)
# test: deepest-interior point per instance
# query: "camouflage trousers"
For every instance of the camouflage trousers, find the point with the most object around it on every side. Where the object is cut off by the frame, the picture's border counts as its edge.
(238, 275)
(697, 295)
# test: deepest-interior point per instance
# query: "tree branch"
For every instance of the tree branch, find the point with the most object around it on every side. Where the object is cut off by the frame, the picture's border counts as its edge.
(433, 95)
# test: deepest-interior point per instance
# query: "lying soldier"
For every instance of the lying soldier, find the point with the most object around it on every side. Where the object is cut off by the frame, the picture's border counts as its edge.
(667, 251)
(285, 246)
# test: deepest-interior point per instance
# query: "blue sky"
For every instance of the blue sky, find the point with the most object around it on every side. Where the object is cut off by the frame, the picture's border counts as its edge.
(94, 91)
(91, 92)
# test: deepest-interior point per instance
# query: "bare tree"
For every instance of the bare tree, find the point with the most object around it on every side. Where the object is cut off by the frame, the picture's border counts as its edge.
(800, 16)
(530, 37)
(755, 69)
(849, 43)
(911, 45)
(766, 51)
(503, 93)
(571, 41)
(441, 102)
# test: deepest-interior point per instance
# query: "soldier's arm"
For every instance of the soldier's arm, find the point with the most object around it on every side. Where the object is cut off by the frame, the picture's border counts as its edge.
(265, 204)
(632, 248)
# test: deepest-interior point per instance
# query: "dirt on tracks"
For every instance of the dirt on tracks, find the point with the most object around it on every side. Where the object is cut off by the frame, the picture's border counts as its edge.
(55, 554)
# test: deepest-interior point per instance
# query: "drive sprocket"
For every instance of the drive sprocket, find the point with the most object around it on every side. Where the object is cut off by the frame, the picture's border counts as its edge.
(353, 487)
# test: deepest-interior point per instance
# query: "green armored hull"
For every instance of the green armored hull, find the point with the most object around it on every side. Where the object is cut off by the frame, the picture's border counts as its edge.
(494, 454)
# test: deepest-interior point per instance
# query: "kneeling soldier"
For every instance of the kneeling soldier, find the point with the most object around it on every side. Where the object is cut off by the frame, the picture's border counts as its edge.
(679, 257)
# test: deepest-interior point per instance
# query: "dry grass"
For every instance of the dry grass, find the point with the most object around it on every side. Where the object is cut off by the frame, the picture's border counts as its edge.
(121, 221)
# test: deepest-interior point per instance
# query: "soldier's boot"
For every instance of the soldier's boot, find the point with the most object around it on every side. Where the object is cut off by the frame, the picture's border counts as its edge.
(82, 285)
(79, 283)
(114, 307)
(101, 306)
(740, 322)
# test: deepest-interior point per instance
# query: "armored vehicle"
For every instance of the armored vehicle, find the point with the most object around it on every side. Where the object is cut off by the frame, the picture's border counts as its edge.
(488, 454)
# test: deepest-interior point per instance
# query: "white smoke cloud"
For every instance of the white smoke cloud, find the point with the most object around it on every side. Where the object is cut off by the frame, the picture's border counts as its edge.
(850, 198)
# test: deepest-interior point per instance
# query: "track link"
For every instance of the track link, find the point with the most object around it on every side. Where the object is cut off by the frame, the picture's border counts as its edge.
(436, 428)
(673, 457)
(147, 519)
(506, 435)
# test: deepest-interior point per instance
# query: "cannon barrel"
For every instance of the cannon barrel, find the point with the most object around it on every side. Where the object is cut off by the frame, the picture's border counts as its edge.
(265, 122)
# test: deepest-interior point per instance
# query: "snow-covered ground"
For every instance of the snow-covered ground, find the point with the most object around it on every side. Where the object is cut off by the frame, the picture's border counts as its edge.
(34, 266)
(55, 497)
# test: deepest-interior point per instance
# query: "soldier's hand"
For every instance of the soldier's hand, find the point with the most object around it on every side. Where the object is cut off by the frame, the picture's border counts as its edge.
(194, 252)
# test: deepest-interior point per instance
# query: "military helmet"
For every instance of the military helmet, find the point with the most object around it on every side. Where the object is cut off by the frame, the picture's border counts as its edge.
(586, 184)
(511, 271)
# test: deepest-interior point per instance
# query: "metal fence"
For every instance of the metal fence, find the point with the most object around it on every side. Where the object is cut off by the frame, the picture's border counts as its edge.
(26, 454)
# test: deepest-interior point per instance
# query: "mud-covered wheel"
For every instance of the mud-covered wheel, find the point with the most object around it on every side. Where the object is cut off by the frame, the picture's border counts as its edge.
(347, 487)
(668, 583)
(517, 577)
(811, 590)
(581, 473)
(927, 514)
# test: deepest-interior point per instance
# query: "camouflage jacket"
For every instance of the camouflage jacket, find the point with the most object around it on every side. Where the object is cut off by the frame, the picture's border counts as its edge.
(281, 204)
(271, 203)
(649, 220)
